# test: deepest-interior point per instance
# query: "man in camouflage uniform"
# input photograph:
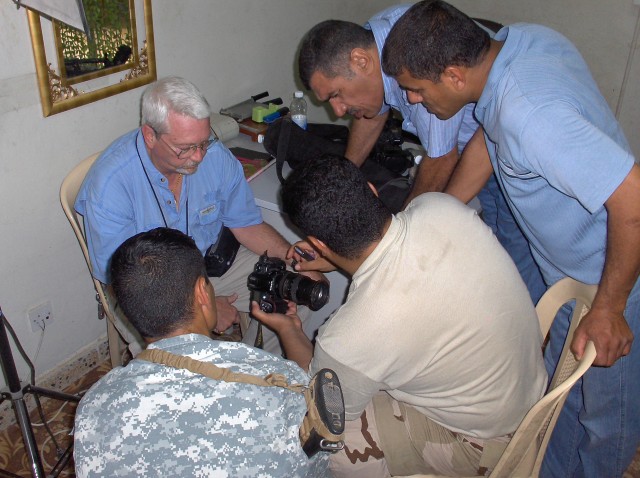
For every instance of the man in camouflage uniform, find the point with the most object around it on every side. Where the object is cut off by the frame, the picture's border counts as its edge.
(147, 419)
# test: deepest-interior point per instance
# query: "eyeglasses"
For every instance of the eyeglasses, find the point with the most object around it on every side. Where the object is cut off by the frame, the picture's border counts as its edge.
(185, 153)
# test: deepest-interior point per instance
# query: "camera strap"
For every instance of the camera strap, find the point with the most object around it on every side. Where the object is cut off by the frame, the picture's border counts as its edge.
(211, 370)
(324, 420)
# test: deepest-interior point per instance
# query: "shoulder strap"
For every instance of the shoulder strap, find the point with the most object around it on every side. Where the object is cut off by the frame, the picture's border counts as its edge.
(217, 373)
(283, 145)
(314, 432)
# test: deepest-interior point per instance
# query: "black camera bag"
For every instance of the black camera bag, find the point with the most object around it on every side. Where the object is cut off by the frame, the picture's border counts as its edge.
(287, 142)
(220, 256)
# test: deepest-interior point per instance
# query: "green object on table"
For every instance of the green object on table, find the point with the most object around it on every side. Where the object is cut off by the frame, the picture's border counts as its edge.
(259, 112)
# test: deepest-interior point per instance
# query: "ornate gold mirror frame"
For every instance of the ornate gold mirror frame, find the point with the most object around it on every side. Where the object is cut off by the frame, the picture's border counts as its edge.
(60, 93)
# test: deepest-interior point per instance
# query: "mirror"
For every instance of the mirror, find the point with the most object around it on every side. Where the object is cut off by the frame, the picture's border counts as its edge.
(111, 43)
(74, 69)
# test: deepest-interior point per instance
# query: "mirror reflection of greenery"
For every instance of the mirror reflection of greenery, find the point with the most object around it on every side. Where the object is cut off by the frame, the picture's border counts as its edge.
(111, 43)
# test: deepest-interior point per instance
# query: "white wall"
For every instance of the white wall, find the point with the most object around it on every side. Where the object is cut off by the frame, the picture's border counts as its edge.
(230, 49)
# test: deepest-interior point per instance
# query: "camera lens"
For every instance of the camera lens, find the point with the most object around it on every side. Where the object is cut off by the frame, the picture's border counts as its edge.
(302, 290)
(272, 285)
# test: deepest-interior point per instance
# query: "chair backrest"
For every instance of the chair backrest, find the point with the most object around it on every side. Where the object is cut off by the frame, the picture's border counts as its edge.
(68, 193)
(524, 453)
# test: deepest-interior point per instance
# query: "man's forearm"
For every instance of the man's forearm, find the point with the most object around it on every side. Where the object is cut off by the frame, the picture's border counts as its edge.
(605, 324)
(288, 327)
(472, 171)
(622, 264)
(297, 347)
(262, 237)
(363, 135)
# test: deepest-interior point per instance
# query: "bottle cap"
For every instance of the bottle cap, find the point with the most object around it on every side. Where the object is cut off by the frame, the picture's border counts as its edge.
(298, 94)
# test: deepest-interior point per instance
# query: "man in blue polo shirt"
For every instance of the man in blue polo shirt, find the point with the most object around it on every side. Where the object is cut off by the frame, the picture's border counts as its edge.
(570, 179)
(340, 62)
(172, 172)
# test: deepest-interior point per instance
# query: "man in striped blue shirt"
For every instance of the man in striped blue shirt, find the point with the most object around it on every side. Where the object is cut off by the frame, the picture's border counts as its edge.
(570, 177)
(340, 62)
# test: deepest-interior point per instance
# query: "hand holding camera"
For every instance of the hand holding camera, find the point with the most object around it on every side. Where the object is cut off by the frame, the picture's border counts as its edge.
(271, 285)
(280, 323)
(275, 290)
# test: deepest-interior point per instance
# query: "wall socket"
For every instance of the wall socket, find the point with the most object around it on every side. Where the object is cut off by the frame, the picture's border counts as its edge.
(40, 316)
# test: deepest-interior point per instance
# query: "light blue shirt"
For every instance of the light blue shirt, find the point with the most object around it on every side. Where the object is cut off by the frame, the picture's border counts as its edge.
(151, 420)
(124, 194)
(438, 137)
(556, 147)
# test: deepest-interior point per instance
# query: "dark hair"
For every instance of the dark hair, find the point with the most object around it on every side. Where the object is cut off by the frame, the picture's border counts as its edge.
(431, 36)
(329, 198)
(327, 48)
(154, 274)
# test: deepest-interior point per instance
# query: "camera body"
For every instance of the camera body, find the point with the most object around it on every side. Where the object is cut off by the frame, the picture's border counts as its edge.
(271, 285)
(393, 157)
(388, 150)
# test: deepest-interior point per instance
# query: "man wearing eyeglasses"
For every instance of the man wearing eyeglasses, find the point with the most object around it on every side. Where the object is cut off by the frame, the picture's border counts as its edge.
(173, 172)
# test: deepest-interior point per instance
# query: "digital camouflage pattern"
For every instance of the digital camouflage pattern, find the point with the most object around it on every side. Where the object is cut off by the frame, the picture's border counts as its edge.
(147, 419)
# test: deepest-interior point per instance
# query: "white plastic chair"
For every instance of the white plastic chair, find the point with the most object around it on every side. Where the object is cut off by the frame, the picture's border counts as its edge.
(68, 192)
(523, 455)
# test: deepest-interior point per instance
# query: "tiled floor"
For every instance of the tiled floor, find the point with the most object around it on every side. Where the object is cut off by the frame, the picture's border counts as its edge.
(13, 458)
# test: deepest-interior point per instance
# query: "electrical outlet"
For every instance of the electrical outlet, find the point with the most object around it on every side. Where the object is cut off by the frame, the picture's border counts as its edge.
(40, 316)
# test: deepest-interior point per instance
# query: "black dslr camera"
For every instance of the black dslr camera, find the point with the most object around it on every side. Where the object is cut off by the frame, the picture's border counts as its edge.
(271, 285)
(388, 151)
(392, 157)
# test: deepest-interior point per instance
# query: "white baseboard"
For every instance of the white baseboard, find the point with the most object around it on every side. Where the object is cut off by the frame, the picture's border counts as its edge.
(62, 376)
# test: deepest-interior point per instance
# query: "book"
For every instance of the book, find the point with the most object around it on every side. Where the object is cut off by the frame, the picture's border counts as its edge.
(252, 161)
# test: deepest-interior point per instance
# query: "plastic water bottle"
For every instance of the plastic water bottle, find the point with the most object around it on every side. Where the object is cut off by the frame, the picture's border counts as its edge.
(298, 109)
